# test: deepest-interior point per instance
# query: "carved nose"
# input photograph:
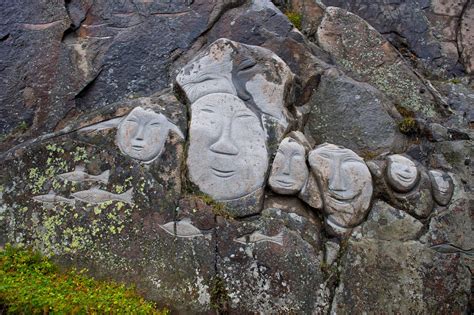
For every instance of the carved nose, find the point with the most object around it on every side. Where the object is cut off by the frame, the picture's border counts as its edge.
(140, 135)
(336, 181)
(224, 144)
(286, 168)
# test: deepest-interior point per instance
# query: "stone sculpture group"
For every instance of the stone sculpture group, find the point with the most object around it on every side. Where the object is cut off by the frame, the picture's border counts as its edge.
(238, 97)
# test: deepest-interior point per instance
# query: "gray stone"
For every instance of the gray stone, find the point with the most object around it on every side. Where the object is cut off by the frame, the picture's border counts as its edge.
(352, 114)
(466, 37)
(414, 278)
(405, 186)
(442, 187)
(227, 157)
(289, 171)
(346, 185)
(387, 223)
(267, 266)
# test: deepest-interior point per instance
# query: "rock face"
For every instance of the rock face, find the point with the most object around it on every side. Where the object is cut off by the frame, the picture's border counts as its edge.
(226, 157)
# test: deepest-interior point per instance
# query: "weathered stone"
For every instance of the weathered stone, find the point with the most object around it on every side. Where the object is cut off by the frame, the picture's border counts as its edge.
(423, 30)
(346, 185)
(415, 279)
(262, 272)
(289, 172)
(403, 184)
(367, 56)
(352, 114)
(466, 36)
(387, 223)
(442, 187)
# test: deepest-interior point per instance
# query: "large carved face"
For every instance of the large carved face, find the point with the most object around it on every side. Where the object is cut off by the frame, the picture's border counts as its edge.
(289, 171)
(210, 72)
(402, 173)
(142, 134)
(346, 184)
(254, 74)
(442, 186)
(227, 155)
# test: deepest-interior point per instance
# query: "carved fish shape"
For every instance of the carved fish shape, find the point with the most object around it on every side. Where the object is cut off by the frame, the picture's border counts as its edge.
(451, 249)
(79, 175)
(184, 229)
(51, 197)
(95, 196)
(257, 237)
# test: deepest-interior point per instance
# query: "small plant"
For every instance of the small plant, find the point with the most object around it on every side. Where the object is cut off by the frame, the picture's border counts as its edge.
(455, 81)
(408, 126)
(219, 297)
(32, 284)
(295, 18)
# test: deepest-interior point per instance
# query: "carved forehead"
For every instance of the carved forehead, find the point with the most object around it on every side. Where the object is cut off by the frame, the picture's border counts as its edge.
(222, 102)
(145, 114)
(291, 145)
(334, 150)
(397, 158)
(440, 176)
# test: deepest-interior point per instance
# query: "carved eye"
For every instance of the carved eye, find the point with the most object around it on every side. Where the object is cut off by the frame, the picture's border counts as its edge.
(155, 124)
(132, 120)
(324, 155)
(244, 115)
(247, 64)
(207, 110)
(203, 78)
(352, 160)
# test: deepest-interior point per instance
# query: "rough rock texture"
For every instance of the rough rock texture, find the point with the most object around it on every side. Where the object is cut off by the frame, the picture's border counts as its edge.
(432, 31)
(414, 279)
(96, 145)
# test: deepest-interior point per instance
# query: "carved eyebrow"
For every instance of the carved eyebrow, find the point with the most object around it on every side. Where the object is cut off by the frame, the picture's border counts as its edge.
(243, 112)
(132, 118)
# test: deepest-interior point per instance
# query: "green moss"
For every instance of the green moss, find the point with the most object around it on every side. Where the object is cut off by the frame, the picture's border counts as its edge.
(295, 18)
(408, 126)
(455, 81)
(219, 296)
(31, 284)
(217, 207)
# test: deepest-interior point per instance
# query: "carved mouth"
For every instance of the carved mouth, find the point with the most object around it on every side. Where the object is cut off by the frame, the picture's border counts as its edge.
(405, 178)
(222, 173)
(136, 147)
(284, 183)
(342, 198)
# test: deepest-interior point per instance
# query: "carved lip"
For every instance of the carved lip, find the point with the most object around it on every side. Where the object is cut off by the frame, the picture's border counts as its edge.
(222, 173)
(405, 178)
(342, 198)
(137, 147)
(284, 183)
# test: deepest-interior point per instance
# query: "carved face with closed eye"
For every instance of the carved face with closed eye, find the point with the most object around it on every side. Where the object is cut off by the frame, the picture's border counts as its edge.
(142, 134)
(289, 171)
(346, 184)
(227, 155)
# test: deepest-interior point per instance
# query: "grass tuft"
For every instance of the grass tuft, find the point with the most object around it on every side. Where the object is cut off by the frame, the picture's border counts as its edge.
(32, 284)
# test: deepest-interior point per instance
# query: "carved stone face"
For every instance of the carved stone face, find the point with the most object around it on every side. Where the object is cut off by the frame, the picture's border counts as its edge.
(289, 171)
(227, 155)
(402, 173)
(442, 186)
(254, 74)
(210, 73)
(142, 134)
(346, 184)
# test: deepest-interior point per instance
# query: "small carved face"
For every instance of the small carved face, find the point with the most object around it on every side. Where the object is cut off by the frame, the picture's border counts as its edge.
(443, 187)
(402, 173)
(289, 171)
(345, 181)
(142, 134)
(227, 156)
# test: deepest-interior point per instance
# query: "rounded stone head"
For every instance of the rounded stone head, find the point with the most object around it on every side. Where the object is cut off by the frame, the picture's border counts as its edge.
(227, 155)
(346, 184)
(442, 186)
(402, 173)
(289, 171)
(142, 134)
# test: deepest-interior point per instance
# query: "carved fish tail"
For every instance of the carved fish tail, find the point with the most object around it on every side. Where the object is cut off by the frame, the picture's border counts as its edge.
(104, 177)
(278, 238)
(127, 196)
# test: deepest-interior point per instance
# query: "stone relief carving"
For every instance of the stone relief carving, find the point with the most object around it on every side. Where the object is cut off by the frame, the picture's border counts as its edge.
(227, 155)
(238, 96)
(80, 175)
(346, 185)
(289, 171)
(259, 237)
(402, 173)
(184, 229)
(443, 187)
(142, 134)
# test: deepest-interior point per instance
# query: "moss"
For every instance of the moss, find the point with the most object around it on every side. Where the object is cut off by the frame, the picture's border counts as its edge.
(31, 284)
(295, 18)
(219, 296)
(408, 126)
(455, 81)
(218, 208)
